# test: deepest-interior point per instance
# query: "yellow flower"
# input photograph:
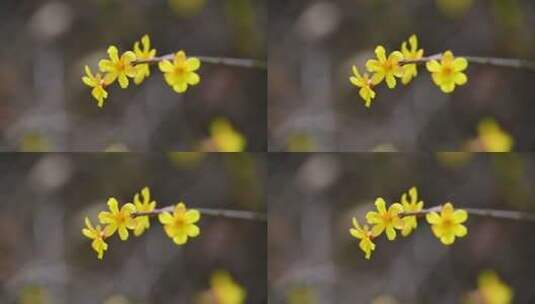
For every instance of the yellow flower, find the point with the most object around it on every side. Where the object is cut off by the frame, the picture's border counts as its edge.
(120, 220)
(97, 235)
(365, 236)
(181, 72)
(384, 67)
(181, 224)
(146, 53)
(493, 290)
(409, 206)
(118, 67)
(226, 290)
(365, 84)
(142, 222)
(448, 72)
(225, 137)
(448, 224)
(493, 138)
(409, 70)
(97, 83)
(385, 219)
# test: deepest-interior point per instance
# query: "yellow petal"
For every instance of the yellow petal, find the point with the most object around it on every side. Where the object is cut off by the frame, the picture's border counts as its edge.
(123, 233)
(145, 40)
(377, 229)
(460, 230)
(356, 233)
(128, 57)
(447, 87)
(113, 53)
(180, 87)
(432, 218)
(192, 78)
(413, 41)
(433, 66)
(192, 216)
(123, 81)
(373, 217)
(106, 65)
(460, 64)
(460, 216)
(373, 65)
(395, 56)
(381, 205)
(390, 81)
(447, 239)
(390, 233)
(380, 53)
(180, 238)
(88, 81)
(113, 205)
(193, 63)
(192, 230)
(165, 218)
(166, 66)
(460, 78)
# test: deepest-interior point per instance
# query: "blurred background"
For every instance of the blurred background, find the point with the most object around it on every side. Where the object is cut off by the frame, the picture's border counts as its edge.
(44, 106)
(313, 106)
(45, 259)
(314, 259)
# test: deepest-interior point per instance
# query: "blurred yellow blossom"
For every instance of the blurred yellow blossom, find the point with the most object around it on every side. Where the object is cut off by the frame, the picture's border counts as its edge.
(448, 224)
(181, 72)
(226, 290)
(225, 137)
(97, 235)
(143, 205)
(385, 219)
(181, 224)
(493, 290)
(97, 83)
(118, 219)
(365, 236)
(449, 72)
(143, 53)
(410, 53)
(118, 67)
(493, 138)
(413, 204)
(301, 295)
(385, 67)
(365, 84)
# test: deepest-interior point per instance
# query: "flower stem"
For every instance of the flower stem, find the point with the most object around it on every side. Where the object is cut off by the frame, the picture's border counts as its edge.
(494, 213)
(493, 61)
(236, 214)
(238, 62)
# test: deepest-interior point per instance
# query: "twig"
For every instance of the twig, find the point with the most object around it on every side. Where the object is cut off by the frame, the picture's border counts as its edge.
(502, 214)
(493, 61)
(237, 214)
(238, 62)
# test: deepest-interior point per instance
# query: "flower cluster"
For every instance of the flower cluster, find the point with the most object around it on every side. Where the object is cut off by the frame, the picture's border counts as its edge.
(179, 224)
(446, 70)
(179, 70)
(445, 221)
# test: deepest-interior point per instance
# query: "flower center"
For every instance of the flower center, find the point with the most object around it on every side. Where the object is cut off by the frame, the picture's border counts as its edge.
(389, 65)
(121, 218)
(180, 70)
(180, 223)
(448, 71)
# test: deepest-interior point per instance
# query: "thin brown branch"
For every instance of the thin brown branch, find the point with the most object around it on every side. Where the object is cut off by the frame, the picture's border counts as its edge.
(493, 61)
(494, 213)
(238, 62)
(236, 214)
